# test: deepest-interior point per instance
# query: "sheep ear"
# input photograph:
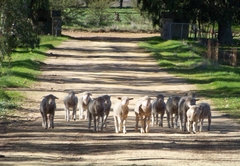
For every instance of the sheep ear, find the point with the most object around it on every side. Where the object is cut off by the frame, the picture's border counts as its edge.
(119, 98)
(197, 99)
(131, 98)
(90, 94)
(55, 97)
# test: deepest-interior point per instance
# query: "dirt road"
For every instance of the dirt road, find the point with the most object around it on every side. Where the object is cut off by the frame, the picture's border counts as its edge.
(110, 64)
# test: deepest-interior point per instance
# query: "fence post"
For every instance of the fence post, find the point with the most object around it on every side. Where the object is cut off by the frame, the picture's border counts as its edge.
(209, 49)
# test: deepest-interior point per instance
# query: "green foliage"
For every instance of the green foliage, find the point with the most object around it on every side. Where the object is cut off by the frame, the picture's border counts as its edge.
(16, 29)
(71, 10)
(129, 20)
(223, 12)
(98, 11)
(22, 71)
(216, 82)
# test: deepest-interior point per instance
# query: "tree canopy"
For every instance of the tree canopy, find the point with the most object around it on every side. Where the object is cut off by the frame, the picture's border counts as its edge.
(223, 12)
(16, 25)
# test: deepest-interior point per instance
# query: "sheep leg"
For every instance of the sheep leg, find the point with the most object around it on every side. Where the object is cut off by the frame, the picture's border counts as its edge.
(209, 122)
(168, 119)
(162, 120)
(116, 124)
(153, 119)
(102, 124)
(181, 119)
(194, 127)
(124, 126)
(65, 113)
(143, 122)
(137, 119)
(156, 119)
(80, 113)
(188, 126)
(120, 122)
(51, 118)
(89, 120)
(184, 121)
(201, 125)
(105, 120)
(147, 123)
(86, 114)
(74, 114)
(94, 123)
(176, 121)
(44, 120)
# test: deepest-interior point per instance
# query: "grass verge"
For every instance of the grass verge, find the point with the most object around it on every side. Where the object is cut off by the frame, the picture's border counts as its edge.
(21, 70)
(216, 82)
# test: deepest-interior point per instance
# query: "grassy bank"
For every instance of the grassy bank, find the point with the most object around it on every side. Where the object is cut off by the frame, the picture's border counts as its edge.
(216, 82)
(21, 70)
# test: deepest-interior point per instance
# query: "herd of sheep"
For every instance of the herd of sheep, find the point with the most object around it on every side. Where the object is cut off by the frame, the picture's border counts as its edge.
(184, 109)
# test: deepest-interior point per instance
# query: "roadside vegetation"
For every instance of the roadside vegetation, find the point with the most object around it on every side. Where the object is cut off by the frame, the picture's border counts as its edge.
(21, 70)
(220, 83)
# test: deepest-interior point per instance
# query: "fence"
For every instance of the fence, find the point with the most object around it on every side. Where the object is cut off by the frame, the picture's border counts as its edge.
(220, 54)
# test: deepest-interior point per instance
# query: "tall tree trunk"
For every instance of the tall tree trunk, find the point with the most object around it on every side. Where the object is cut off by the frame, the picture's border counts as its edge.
(225, 32)
(121, 3)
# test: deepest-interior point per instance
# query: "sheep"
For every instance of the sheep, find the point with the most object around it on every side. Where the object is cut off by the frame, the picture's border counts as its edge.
(205, 113)
(83, 105)
(172, 108)
(143, 110)
(183, 106)
(120, 113)
(48, 106)
(158, 107)
(193, 114)
(191, 93)
(107, 99)
(70, 101)
(96, 109)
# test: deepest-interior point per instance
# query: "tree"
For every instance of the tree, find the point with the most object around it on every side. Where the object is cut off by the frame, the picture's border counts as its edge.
(70, 9)
(98, 11)
(16, 28)
(221, 11)
(120, 3)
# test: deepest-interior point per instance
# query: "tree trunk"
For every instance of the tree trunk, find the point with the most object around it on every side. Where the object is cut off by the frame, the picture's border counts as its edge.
(121, 3)
(225, 32)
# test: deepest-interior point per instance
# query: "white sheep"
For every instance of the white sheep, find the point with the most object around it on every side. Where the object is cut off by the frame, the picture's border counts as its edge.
(143, 109)
(70, 101)
(83, 105)
(205, 113)
(193, 114)
(120, 113)
(158, 107)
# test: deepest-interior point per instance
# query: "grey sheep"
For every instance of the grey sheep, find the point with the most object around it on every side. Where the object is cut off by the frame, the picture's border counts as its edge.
(183, 105)
(193, 114)
(83, 105)
(172, 108)
(120, 113)
(70, 101)
(48, 106)
(205, 113)
(108, 102)
(143, 109)
(96, 109)
(158, 107)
